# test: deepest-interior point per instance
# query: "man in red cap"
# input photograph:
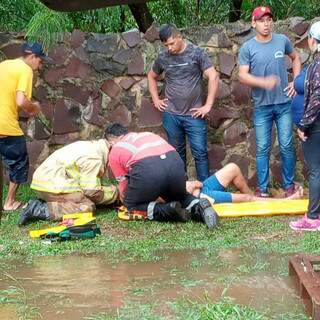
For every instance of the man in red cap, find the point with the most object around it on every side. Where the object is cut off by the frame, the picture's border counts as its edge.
(263, 68)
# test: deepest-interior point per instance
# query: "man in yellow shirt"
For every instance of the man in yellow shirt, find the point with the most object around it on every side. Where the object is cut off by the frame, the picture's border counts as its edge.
(16, 92)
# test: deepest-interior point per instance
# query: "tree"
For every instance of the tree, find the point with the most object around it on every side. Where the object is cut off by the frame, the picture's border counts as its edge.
(235, 10)
(142, 16)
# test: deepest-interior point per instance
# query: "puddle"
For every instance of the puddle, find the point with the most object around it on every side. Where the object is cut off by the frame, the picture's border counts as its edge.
(73, 287)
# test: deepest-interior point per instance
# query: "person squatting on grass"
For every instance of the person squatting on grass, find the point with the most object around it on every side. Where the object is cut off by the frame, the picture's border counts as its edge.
(148, 168)
(214, 188)
(184, 65)
(69, 181)
(16, 92)
(263, 67)
(309, 133)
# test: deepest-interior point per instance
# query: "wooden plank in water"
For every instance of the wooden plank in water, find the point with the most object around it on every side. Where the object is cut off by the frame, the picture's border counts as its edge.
(305, 273)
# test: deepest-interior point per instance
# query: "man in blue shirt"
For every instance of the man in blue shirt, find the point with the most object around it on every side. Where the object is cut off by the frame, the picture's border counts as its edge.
(263, 67)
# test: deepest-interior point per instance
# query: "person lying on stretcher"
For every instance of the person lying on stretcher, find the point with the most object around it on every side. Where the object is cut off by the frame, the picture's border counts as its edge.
(214, 187)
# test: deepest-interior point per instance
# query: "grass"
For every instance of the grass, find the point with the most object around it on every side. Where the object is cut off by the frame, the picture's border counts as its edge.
(188, 310)
(142, 240)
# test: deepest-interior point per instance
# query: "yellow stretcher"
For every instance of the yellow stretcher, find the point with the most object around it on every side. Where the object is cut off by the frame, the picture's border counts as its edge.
(79, 220)
(262, 208)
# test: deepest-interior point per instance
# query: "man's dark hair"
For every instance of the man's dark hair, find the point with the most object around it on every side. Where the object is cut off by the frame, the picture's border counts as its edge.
(168, 30)
(115, 129)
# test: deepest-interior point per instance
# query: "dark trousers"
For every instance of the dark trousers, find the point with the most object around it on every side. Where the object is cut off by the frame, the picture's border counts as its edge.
(311, 153)
(158, 176)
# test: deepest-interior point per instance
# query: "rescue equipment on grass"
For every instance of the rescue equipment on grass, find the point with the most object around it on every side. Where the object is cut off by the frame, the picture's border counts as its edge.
(262, 208)
(73, 226)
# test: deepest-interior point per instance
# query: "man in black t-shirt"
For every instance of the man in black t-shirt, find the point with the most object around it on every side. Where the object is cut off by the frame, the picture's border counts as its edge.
(184, 107)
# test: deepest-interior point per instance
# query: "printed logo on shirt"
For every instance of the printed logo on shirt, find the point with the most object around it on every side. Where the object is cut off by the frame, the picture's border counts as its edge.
(178, 65)
(278, 54)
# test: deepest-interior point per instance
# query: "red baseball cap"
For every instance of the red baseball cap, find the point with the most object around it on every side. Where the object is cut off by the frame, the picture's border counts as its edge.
(259, 12)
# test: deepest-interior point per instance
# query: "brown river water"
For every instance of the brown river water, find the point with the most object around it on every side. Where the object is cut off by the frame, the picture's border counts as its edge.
(76, 286)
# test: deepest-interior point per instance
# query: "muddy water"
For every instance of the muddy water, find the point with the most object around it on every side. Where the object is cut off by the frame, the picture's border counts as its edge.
(73, 287)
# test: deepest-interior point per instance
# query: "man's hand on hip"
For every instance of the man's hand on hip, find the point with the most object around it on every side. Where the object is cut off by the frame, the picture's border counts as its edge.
(290, 90)
(201, 112)
(160, 104)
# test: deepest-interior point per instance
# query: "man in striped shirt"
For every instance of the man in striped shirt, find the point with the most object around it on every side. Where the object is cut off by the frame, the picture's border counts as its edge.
(148, 169)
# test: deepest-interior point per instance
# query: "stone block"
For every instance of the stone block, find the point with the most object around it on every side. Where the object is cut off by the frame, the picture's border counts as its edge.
(12, 50)
(132, 37)
(240, 93)
(110, 88)
(53, 75)
(59, 55)
(79, 94)
(121, 115)
(63, 139)
(47, 108)
(104, 44)
(34, 148)
(236, 133)
(129, 100)
(152, 34)
(100, 64)
(41, 132)
(124, 56)
(224, 90)
(78, 69)
(218, 115)
(40, 93)
(216, 155)
(302, 43)
(66, 118)
(77, 38)
(299, 25)
(136, 65)
(227, 62)
(127, 82)
(149, 116)
(93, 110)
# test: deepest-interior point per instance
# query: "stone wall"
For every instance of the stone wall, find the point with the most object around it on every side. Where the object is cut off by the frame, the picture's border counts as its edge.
(101, 78)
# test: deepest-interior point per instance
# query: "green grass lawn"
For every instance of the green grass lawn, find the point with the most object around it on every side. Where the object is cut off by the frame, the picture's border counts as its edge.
(141, 240)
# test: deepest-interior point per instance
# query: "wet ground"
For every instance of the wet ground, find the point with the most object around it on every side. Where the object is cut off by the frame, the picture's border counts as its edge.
(75, 287)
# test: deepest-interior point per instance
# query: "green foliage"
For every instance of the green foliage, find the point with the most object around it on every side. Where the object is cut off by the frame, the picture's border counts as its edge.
(47, 26)
(41, 23)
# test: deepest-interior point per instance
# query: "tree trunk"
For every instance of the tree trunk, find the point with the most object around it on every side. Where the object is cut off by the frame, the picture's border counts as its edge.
(235, 10)
(142, 16)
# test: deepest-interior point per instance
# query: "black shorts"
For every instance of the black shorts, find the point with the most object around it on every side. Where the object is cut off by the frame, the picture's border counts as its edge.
(15, 157)
(157, 176)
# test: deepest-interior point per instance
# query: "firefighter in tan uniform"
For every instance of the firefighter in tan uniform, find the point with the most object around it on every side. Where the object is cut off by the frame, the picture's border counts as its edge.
(69, 181)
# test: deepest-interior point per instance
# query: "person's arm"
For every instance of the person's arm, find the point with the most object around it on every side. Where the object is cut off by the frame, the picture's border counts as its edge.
(160, 104)
(30, 107)
(312, 101)
(296, 69)
(252, 81)
(117, 165)
(213, 83)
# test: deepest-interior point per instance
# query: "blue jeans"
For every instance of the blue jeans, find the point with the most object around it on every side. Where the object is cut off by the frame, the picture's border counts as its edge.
(178, 128)
(263, 123)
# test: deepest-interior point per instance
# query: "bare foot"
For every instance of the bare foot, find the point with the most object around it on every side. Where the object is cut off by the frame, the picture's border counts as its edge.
(14, 206)
(298, 194)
